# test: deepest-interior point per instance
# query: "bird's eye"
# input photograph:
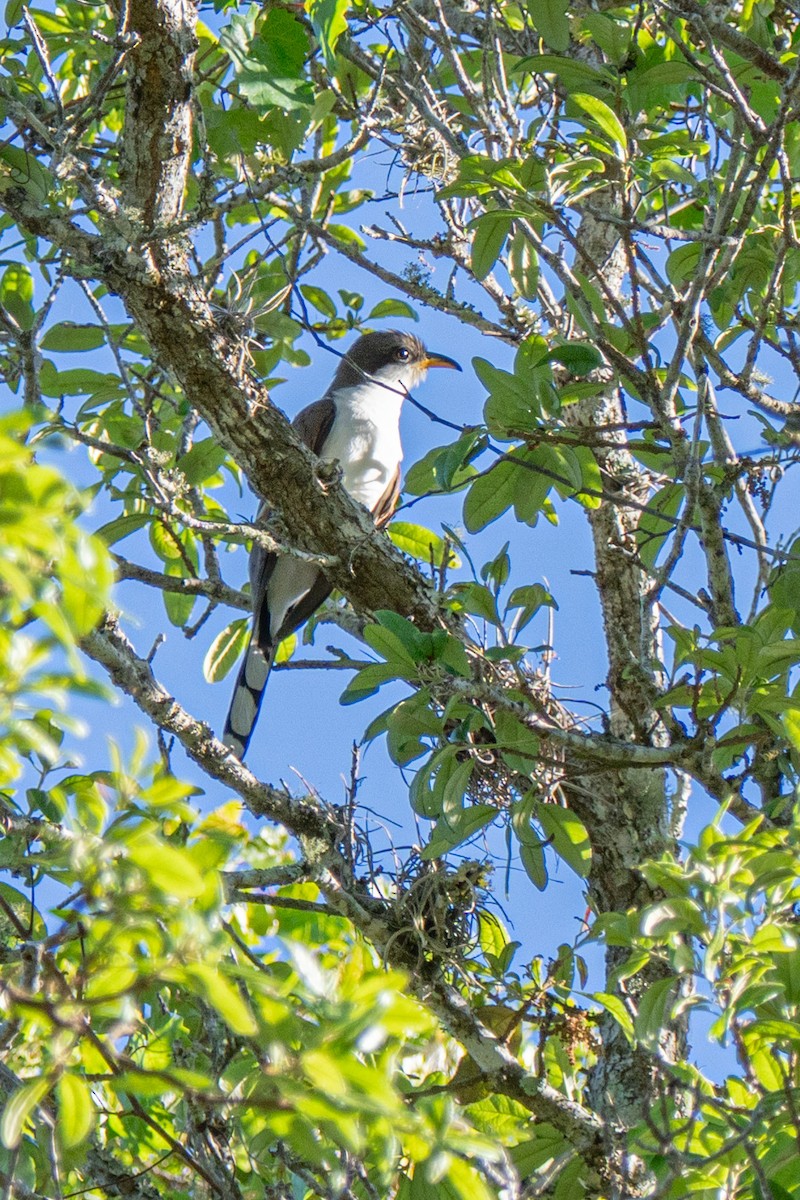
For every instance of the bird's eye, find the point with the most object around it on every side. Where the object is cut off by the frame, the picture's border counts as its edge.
(402, 354)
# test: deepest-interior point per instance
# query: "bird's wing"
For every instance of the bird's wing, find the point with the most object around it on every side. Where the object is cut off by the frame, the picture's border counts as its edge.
(387, 502)
(315, 422)
(285, 592)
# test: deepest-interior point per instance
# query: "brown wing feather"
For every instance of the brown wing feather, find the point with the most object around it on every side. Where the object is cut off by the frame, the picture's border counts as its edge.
(315, 422)
(387, 503)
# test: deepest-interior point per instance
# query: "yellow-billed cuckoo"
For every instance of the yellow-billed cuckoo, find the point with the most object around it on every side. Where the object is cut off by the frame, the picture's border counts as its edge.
(357, 421)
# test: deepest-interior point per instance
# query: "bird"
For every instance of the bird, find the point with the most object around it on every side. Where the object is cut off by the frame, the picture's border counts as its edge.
(357, 422)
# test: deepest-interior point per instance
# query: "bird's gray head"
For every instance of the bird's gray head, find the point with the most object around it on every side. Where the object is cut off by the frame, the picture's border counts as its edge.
(397, 359)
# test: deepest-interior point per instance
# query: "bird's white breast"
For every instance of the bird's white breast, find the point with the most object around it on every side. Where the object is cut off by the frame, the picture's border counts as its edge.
(365, 437)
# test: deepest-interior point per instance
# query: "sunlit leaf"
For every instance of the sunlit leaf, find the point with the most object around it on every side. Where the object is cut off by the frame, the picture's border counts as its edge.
(75, 1110)
(226, 649)
(19, 1106)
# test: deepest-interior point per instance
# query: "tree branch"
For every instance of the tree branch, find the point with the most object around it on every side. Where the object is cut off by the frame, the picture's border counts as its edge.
(319, 830)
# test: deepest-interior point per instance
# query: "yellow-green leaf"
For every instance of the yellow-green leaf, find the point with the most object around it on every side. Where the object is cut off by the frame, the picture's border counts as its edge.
(224, 997)
(603, 116)
(225, 650)
(75, 1110)
(19, 1107)
(168, 867)
(421, 543)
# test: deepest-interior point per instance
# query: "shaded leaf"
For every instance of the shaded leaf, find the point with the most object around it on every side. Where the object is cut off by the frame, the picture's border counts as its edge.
(68, 337)
(488, 239)
(550, 20)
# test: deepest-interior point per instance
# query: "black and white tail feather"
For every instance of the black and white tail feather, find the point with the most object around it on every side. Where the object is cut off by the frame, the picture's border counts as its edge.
(285, 591)
(248, 694)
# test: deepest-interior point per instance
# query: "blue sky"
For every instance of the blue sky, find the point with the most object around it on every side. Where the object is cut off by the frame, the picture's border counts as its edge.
(304, 736)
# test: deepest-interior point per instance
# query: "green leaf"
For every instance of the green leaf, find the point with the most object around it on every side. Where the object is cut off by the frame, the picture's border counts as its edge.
(477, 599)
(492, 934)
(421, 543)
(225, 650)
(201, 462)
(569, 71)
(79, 381)
(518, 743)
(169, 868)
(449, 833)
(269, 61)
(403, 629)
(569, 836)
(523, 266)
(791, 723)
(164, 542)
(550, 20)
(452, 465)
(534, 483)
(682, 264)
(329, 18)
(178, 605)
(651, 531)
(224, 997)
(166, 791)
(13, 13)
(528, 600)
(489, 496)
(393, 308)
(121, 527)
(394, 649)
(366, 682)
(546, 1143)
(70, 338)
(614, 1005)
(408, 726)
(514, 405)
(603, 116)
(16, 293)
(19, 1107)
(20, 168)
(451, 653)
(655, 1008)
(320, 299)
(497, 570)
(532, 859)
(14, 903)
(75, 1110)
(343, 233)
(491, 231)
(286, 649)
(352, 300)
(86, 575)
(578, 357)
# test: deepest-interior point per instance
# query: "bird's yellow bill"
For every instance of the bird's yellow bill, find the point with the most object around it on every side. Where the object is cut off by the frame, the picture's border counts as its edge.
(439, 360)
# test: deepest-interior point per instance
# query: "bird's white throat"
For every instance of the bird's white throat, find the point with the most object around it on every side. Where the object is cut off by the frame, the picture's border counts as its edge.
(365, 437)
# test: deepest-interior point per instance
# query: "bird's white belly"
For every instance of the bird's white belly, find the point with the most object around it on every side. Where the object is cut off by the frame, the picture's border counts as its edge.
(367, 444)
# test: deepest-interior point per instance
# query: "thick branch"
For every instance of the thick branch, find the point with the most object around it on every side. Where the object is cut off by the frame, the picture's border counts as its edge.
(157, 137)
(177, 320)
(212, 589)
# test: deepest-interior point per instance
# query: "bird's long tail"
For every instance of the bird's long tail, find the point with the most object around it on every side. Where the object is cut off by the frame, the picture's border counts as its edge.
(248, 693)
